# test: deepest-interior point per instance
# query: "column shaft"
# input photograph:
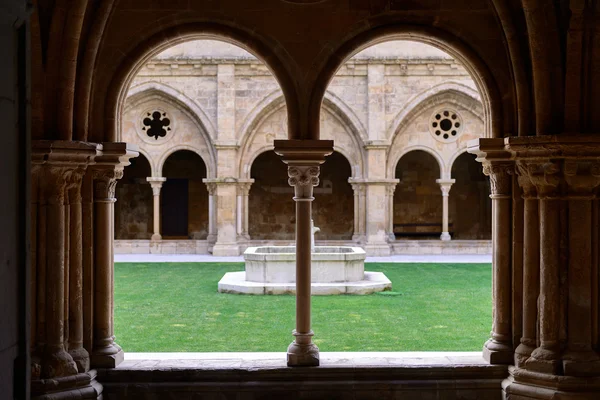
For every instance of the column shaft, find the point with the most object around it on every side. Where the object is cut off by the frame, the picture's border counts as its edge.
(499, 349)
(57, 362)
(79, 354)
(106, 353)
(531, 280)
(303, 265)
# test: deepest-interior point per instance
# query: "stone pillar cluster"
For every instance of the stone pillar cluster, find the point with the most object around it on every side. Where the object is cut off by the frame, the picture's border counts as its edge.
(72, 267)
(545, 276)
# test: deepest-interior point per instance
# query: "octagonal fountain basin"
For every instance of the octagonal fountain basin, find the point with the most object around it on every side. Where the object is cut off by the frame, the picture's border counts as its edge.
(335, 270)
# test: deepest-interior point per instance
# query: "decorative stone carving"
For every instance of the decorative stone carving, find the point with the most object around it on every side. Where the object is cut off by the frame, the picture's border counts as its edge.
(105, 182)
(303, 179)
(500, 177)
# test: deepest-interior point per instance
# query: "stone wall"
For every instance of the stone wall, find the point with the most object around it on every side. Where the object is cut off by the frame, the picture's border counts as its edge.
(222, 103)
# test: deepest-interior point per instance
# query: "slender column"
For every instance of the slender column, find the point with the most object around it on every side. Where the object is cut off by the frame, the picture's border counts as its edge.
(212, 234)
(391, 188)
(76, 350)
(445, 185)
(243, 193)
(105, 353)
(499, 349)
(303, 352)
(531, 268)
(582, 179)
(56, 361)
(156, 184)
(545, 176)
(355, 236)
(239, 206)
(87, 225)
(303, 158)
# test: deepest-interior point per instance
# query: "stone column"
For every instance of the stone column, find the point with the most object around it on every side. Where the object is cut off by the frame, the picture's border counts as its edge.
(106, 171)
(359, 210)
(303, 158)
(56, 362)
(212, 231)
(497, 165)
(226, 216)
(76, 349)
(445, 185)
(390, 211)
(243, 194)
(531, 268)
(156, 184)
(377, 221)
(105, 353)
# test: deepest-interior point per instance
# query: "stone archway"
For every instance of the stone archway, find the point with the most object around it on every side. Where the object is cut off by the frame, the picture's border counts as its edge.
(184, 197)
(417, 206)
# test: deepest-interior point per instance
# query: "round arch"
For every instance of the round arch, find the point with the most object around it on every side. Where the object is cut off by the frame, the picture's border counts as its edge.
(493, 109)
(161, 161)
(142, 51)
(393, 162)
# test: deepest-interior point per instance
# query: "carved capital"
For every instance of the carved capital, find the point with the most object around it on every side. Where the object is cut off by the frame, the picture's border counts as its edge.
(359, 189)
(73, 185)
(105, 182)
(543, 175)
(53, 184)
(526, 185)
(156, 184)
(390, 189)
(500, 177)
(303, 179)
(243, 188)
(211, 187)
(582, 177)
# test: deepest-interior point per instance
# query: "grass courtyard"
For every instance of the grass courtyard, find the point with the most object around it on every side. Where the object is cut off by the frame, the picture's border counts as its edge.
(175, 307)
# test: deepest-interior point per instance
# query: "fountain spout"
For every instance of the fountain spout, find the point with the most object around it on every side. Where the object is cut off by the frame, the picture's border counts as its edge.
(314, 230)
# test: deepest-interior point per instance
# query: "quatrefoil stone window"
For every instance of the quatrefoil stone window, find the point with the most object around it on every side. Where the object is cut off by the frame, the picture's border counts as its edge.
(445, 125)
(156, 124)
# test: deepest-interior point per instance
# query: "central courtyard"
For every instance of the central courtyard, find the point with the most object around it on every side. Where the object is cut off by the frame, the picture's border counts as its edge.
(175, 307)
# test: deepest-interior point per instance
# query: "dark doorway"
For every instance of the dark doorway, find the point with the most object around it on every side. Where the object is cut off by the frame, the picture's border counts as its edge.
(175, 208)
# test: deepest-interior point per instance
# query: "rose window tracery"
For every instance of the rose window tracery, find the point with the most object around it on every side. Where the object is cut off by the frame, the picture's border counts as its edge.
(156, 124)
(445, 125)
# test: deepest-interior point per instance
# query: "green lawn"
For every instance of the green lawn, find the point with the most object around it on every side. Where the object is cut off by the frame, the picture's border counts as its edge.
(176, 307)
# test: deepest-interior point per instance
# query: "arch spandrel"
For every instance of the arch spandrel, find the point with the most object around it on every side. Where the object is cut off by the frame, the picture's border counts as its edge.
(187, 132)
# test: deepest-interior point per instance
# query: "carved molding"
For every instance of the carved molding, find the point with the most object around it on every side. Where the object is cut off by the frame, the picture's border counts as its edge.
(303, 179)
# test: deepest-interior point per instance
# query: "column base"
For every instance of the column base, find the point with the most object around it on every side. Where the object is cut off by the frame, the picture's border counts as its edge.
(357, 238)
(528, 385)
(302, 352)
(108, 357)
(497, 353)
(80, 386)
(379, 250)
(544, 361)
(226, 250)
(156, 236)
(581, 363)
(522, 354)
(391, 237)
(445, 236)
(57, 363)
(81, 358)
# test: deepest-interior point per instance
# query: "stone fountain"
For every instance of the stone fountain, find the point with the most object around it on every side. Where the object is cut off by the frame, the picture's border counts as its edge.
(335, 270)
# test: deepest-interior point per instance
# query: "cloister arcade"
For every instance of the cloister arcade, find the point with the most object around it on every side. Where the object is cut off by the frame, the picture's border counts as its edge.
(394, 111)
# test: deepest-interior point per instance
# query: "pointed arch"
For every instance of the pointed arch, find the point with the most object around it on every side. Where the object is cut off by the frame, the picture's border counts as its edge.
(435, 95)
(147, 90)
